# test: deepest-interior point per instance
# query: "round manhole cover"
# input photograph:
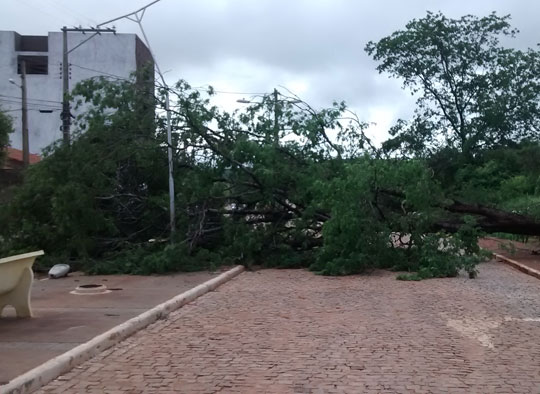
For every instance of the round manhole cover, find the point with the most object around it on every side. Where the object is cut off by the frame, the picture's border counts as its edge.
(90, 289)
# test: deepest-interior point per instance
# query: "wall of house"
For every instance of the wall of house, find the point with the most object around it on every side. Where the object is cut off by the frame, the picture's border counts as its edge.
(108, 54)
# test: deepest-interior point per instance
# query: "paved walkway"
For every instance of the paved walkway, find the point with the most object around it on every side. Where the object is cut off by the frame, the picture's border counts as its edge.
(63, 320)
(291, 331)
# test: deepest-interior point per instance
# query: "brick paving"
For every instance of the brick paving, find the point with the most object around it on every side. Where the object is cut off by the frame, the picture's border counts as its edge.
(289, 331)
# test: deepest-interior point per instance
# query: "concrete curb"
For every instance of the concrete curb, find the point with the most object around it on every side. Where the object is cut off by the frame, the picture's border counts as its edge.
(519, 266)
(50, 370)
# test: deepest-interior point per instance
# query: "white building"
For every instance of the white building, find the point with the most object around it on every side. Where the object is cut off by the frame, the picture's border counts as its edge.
(108, 54)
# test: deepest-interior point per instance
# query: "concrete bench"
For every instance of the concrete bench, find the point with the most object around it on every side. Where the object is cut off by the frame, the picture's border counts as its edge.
(16, 277)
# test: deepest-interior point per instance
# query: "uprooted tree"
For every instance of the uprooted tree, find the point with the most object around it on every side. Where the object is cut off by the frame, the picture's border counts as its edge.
(279, 183)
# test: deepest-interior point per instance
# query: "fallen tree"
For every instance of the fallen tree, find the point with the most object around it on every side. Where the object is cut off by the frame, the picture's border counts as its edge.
(279, 183)
(246, 193)
(492, 220)
(488, 219)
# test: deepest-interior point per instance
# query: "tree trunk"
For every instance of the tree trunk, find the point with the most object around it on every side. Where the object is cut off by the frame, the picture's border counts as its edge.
(491, 220)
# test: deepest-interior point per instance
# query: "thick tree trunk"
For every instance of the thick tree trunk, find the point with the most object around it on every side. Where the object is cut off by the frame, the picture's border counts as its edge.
(491, 220)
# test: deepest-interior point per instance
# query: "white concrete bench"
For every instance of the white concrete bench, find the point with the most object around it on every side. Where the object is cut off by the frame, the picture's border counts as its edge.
(16, 277)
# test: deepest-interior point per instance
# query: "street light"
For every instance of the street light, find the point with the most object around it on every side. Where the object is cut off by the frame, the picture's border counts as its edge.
(25, 142)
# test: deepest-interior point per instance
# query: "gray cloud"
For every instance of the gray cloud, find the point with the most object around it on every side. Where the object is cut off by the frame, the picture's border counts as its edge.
(253, 46)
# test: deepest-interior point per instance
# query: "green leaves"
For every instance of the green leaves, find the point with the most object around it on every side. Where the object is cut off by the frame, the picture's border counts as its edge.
(6, 127)
(84, 199)
(278, 184)
(386, 214)
(472, 93)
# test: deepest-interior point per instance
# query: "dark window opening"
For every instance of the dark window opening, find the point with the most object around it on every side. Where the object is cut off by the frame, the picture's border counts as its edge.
(31, 43)
(34, 64)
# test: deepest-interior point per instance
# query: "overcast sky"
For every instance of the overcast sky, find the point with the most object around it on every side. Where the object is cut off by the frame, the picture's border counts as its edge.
(315, 48)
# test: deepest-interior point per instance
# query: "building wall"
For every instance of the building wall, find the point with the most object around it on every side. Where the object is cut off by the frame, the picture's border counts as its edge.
(113, 55)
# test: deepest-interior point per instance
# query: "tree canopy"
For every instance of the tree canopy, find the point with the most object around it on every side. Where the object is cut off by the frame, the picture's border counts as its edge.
(473, 93)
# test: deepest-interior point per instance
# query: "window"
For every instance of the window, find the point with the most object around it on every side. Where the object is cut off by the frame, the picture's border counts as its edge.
(34, 64)
(31, 43)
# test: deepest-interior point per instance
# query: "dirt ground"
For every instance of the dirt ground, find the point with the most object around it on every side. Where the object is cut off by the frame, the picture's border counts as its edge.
(527, 254)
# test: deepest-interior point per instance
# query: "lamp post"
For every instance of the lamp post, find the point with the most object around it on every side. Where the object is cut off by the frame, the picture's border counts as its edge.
(25, 139)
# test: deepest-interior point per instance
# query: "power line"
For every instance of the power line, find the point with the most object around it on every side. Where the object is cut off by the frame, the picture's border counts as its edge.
(44, 10)
(33, 109)
(71, 12)
(48, 101)
(10, 101)
(66, 116)
(19, 101)
(199, 88)
(205, 88)
(134, 13)
(41, 110)
(99, 72)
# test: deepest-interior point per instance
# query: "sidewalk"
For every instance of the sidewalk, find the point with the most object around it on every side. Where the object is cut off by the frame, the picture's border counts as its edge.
(63, 320)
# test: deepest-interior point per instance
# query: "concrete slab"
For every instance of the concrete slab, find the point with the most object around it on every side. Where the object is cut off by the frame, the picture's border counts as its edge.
(63, 320)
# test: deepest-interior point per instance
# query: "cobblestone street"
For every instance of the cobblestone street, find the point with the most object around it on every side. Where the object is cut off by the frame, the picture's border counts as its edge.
(284, 331)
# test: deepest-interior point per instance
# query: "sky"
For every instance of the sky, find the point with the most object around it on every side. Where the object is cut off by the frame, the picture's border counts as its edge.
(314, 48)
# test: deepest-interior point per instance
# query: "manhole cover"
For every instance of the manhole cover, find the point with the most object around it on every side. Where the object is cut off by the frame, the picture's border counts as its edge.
(90, 289)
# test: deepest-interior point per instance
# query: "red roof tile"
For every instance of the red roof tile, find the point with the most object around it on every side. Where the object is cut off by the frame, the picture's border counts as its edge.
(17, 155)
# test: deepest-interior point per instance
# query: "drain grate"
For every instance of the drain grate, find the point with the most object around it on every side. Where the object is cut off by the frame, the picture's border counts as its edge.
(90, 289)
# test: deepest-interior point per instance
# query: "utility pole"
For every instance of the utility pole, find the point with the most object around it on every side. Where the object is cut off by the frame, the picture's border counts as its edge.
(66, 110)
(276, 118)
(172, 215)
(25, 143)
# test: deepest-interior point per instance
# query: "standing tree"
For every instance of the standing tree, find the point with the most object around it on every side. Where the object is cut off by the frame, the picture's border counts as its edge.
(472, 92)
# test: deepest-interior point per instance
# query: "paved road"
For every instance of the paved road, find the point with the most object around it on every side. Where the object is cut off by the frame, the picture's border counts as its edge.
(291, 331)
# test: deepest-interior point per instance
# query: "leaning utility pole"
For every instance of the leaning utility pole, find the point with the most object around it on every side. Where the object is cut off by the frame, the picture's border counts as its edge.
(66, 110)
(25, 143)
